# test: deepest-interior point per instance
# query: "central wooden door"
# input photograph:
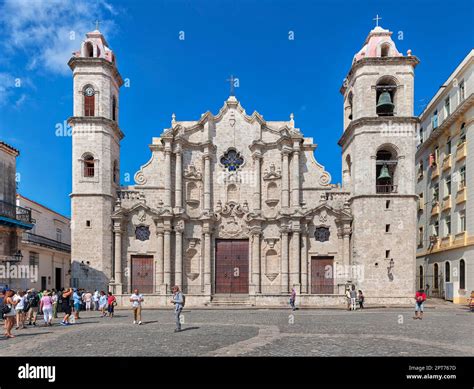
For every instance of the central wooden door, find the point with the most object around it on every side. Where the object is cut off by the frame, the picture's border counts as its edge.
(322, 275)
(232, 266)
(142, 273)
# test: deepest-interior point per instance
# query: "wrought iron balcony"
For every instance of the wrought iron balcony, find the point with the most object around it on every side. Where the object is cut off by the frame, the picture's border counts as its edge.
(15, 212)
(39, 240)
(386, 188)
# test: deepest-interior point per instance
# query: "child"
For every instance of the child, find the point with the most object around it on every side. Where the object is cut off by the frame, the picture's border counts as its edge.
(361, 300)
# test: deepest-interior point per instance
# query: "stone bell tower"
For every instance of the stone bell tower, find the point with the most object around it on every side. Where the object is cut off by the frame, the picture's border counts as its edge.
(378, 151)
(96, 140)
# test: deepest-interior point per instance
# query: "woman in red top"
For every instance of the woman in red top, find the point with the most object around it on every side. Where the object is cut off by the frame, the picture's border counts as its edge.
(420, 298)
(112, 302)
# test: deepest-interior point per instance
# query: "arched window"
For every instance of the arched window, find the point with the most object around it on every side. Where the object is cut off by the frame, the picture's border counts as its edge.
(385, 50)
(89, 166)
(386, 164)
(89, 101)
(114, 108)
(462, 274)
(88, 50)
(436, 276)
(447, 271)
(421, 282)
(385, 96)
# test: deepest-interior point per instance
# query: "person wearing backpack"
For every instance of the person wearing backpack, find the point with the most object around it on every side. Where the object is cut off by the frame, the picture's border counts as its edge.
(178, 301)
(33, 301)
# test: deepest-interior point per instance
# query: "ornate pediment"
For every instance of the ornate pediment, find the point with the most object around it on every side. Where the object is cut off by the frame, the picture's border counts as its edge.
(232, 220)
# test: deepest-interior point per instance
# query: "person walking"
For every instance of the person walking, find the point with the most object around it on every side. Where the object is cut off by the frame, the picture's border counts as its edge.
(293, 299)
(33, 301)
(55, 299)
(77, 303)
(103, 303)
(46, 305)
(136, 299)
(361, 299)
(87, 297)
(112, 302)
(348, 298)
(66, 306)
(353, 295)
(19, 298)
(95, 299)
(420, 298)
(178, 301)
(9, 314)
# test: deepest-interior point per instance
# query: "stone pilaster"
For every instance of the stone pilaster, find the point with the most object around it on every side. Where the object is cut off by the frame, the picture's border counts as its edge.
(304, 261)
(168, 189)
(159, 271)
(295, 264)
(207, 182)
(207, 260)
(118, 256)
(284, 259)
(167, 258)
(256, 266)
(257, 194)
(178, 271)
(295, 176)
(285, 183)
(178, 201)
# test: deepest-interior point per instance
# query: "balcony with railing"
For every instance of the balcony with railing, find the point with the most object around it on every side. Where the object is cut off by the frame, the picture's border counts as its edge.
(386, 189)
(461, 195)
(446, 204)
(461, 151)
(13, 214)
(39, 240)
(435, 208)
(434, 172)
(446, 163)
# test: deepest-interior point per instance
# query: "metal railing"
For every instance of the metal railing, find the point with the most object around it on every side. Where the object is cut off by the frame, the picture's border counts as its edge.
(386, 188)
(29, 237)
(15, 212)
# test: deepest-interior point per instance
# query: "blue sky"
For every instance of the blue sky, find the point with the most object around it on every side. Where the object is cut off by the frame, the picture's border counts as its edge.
(248, 39)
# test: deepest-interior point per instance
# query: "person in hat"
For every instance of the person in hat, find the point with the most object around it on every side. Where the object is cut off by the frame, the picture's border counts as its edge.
(33, 300)
(46, 305)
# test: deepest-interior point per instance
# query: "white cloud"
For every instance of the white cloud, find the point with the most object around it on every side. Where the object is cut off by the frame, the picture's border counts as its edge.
(42, 30)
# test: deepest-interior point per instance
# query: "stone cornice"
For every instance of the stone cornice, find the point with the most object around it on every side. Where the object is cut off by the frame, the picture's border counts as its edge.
(97, 120)
(78, 61)
(349, 132)
(377, 61)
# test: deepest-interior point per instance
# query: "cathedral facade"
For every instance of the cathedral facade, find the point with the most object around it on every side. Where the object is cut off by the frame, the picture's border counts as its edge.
(235, 209)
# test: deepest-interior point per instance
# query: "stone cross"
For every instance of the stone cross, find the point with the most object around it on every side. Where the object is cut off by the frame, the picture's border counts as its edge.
(97, 22)
(377, 18)
(232, 85)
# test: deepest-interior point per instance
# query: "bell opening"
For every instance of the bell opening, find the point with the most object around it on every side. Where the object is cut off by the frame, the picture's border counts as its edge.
(385, 105)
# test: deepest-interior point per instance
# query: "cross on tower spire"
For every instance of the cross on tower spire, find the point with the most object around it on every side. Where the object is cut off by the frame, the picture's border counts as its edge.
(232, 85)
(377, 18)
(97, 22)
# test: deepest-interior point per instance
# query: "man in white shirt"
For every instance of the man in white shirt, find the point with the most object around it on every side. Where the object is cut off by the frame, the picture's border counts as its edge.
(136, 299)
(95, 298)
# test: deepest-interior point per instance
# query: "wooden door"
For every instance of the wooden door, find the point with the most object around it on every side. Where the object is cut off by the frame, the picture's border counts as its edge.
(142, 273)
(322, 275)
(232, 266)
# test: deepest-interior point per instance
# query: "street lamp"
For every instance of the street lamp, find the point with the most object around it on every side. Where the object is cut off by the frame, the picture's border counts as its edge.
(17, 257)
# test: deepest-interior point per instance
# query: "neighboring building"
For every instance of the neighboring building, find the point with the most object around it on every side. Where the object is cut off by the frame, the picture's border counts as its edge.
(445, 186)
(13, 219)
(234, 205)
(47, 246)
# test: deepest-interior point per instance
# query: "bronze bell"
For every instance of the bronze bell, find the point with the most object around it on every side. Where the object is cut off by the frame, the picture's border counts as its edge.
(384, 173)
(385, 105)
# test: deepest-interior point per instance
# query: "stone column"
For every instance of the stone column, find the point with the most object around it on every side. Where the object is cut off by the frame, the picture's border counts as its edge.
(257, 194)
(207, 182)
(118, 257)
(285, 189)
(256, 262)
(207, 260)
(304, 261)
(295, 177)
(160, 259)
(178, 271)
(284, 260)
(167, 259)
(178, 201)
(295, 265)
(167, 202)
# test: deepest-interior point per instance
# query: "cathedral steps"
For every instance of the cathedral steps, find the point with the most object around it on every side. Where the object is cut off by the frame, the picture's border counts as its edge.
(230, 300)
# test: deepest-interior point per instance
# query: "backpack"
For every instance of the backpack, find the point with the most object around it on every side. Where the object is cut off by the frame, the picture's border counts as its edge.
(33, 300)
(26, 306)
(4, 309)
(184, 299)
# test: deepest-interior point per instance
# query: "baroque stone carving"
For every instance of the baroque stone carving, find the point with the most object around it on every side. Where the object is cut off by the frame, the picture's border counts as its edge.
(272, 173)
(192, 173)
